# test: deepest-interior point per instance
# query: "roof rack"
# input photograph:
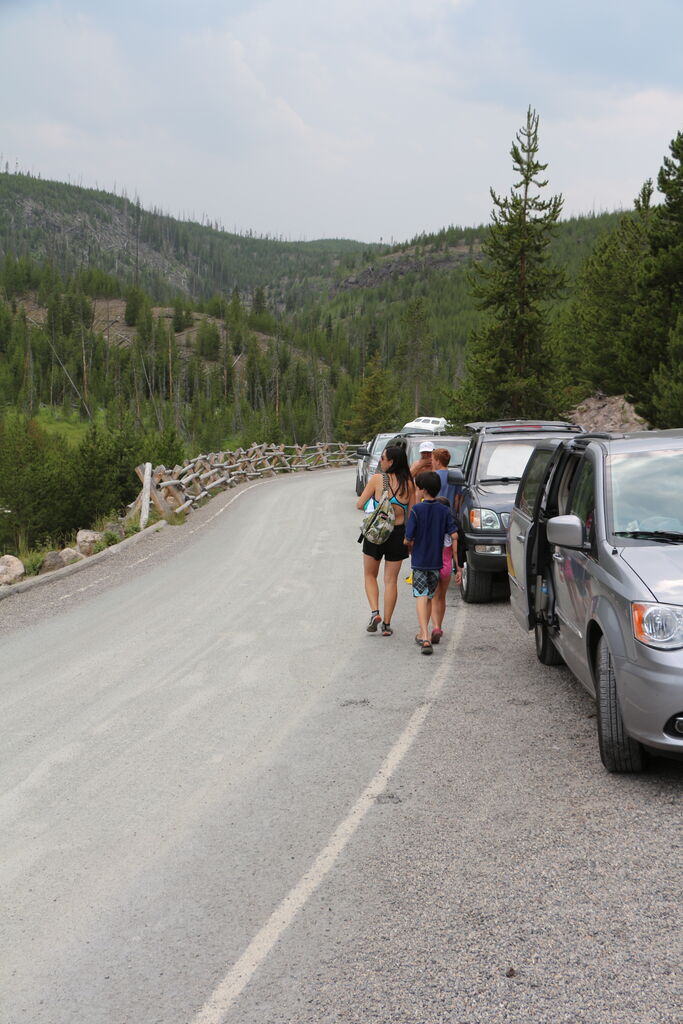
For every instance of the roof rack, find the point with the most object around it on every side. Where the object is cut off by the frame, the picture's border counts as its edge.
(597, 435)
(522, 426)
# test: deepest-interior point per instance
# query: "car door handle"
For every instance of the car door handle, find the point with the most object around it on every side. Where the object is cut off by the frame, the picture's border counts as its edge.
(558, 557)
(521, 536)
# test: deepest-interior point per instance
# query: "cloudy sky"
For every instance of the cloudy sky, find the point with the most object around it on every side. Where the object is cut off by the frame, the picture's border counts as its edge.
(362, 119)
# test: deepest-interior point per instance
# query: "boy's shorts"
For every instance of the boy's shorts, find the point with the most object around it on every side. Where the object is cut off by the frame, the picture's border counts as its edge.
(425, 582)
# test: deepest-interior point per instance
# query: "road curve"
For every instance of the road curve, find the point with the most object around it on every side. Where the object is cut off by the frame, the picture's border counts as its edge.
(223, 801)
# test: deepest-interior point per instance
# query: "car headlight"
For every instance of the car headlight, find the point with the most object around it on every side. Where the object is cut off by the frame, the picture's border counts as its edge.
(658, 625)
(484, 519)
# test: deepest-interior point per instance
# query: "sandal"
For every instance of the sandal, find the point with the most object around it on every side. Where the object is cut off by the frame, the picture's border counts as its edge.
(375, 619)
(436, 635)
(419, 640)
(427, 647)
(386, 629)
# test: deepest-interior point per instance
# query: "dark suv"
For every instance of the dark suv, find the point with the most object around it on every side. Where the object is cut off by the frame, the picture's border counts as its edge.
(491, 470)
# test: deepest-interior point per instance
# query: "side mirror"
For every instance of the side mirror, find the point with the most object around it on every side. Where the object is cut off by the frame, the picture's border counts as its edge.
(456, 476)
(566, 531)
(362, 452)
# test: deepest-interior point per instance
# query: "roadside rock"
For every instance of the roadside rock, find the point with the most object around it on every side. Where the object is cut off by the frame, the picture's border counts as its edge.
(86, 541)
(70, 555)
(11, 569)
(52, 560)
(606, 412)
(116, 529)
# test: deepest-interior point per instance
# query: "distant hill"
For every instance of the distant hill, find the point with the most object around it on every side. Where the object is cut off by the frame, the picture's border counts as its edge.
(73, 227)
(285, 357)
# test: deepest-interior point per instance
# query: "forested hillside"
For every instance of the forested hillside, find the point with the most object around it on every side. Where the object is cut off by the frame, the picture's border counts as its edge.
(75, 228)
(126, 334)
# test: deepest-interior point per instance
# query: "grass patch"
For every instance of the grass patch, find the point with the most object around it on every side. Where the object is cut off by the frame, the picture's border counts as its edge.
(70, 427)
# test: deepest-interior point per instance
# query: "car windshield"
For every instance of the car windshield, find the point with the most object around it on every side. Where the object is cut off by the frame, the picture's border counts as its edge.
(380, 443)
(646, 493)
(456, 447)
(503, 460)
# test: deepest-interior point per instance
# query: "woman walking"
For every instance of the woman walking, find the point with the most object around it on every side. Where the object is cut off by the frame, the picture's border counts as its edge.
(394, 465)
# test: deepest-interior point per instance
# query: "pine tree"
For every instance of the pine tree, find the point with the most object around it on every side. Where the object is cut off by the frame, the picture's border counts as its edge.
(661, 293)
(374, 406)
(594, 337)
(506, 367)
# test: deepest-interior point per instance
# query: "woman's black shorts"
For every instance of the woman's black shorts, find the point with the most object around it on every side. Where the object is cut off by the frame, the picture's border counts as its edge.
(393, 549)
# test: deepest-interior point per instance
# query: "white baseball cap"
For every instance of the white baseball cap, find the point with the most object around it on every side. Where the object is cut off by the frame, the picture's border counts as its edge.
(427, 446)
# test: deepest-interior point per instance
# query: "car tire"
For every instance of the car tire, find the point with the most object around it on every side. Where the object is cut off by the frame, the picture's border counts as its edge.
(475, 585)
(618, 751)
(359, 487)
(546, 651)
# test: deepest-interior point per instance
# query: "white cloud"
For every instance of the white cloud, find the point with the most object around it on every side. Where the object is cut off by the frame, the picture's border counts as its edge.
(363, 117)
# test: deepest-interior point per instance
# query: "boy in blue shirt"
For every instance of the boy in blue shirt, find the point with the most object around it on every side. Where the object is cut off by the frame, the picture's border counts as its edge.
(428, 522)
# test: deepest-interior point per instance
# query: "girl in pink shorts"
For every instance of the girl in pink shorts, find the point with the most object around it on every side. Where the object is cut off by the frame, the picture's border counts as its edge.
(439, 600)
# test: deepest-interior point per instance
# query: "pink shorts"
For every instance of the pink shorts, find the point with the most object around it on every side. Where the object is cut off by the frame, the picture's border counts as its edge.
(447, 564)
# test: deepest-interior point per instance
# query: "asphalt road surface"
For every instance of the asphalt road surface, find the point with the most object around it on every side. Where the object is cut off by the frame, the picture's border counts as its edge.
(223, 801)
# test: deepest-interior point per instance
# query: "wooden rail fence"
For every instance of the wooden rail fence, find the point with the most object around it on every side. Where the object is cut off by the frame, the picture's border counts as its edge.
(184, 487)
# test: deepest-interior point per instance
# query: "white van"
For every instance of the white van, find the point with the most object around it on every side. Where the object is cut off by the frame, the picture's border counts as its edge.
(426, 425)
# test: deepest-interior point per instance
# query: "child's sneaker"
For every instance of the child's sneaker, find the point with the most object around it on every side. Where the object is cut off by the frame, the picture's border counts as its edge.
(375, 619)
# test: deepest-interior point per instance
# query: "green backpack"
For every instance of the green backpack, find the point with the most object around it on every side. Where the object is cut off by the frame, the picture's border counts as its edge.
(378, 524)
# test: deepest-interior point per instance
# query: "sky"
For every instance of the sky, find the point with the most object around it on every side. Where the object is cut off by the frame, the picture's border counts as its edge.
(365, 119)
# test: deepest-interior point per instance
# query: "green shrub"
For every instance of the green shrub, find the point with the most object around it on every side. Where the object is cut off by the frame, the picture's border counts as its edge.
(33, 561)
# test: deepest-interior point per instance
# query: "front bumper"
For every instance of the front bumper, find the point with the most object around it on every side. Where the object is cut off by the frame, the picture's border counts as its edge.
(650, 688)
(486, 552)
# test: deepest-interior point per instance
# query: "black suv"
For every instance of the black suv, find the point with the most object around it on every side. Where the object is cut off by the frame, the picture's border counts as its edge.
(491, 470)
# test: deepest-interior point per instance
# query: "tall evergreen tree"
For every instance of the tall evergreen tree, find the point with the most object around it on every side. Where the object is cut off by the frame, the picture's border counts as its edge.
(374, 406)
(656, 330)
(505, 369)
(595, 347)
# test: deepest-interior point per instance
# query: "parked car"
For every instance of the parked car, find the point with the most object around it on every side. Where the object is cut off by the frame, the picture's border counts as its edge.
(425, 425)
(368, 459)
(595, 560)
(491, 470)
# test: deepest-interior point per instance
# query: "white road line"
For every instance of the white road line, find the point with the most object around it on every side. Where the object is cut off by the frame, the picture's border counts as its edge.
(239, 975)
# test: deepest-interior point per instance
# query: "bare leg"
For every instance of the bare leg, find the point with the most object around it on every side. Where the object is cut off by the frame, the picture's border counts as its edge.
(424, 610)
(439, 602)
(391, 571)
(370, 574)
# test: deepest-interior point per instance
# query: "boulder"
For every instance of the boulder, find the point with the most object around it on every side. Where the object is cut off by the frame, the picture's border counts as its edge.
(52, 560)
(115, 528)
(86, 541)
(70, 555)
(11, 569)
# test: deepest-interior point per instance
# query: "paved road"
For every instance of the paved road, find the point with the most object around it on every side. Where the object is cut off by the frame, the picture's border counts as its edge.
(223, 801)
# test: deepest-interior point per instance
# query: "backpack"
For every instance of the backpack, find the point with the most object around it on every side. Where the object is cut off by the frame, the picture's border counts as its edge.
(378, 524)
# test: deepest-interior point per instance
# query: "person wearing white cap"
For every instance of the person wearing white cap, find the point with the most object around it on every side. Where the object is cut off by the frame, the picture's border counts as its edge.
(424, 463)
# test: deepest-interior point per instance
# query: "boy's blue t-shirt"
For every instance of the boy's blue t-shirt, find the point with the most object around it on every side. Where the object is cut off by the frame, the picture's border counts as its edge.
(447, 490)
(427, 523)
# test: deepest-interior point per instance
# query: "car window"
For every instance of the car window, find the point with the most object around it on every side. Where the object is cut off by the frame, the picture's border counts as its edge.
(533, 480)
(456, 448)
(503, 458)
(582, 501)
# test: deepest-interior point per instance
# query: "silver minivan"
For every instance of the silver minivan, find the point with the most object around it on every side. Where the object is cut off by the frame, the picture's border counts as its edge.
(595, 562)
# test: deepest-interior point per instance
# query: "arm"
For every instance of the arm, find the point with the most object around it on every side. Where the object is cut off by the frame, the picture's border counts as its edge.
(456, 562)
(370, 490)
